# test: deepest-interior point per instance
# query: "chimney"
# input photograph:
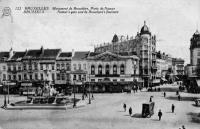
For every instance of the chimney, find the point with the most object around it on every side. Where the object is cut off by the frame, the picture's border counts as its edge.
(42, 50)
(73, 52)
(11, 53)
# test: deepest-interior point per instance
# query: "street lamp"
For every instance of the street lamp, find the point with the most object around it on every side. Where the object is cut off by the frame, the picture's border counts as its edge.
(8, 93)
(83, 88)
(4, 90)
(89, 90)
(74, 93)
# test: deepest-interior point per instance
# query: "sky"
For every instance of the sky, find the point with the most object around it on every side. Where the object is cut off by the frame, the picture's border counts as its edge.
(172, 21)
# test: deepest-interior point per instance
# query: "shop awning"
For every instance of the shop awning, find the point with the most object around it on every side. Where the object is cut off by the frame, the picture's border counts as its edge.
(198, 83)
(156, 81)
(164, 79)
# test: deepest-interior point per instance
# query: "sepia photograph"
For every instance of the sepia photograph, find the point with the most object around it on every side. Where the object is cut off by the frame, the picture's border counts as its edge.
(99, 64)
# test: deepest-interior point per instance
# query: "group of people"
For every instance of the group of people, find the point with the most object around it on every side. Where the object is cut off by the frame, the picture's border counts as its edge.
(46, 91)
(130, 109)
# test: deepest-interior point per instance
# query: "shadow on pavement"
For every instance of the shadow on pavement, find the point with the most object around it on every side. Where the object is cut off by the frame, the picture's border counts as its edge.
(195, 117)
(188, 98)
(126, 115)
(137, 115)
(120, 111)
(154, 119)
(195, 105)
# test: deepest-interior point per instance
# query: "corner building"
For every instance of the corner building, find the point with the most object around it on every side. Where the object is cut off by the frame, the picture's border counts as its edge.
(144, 45)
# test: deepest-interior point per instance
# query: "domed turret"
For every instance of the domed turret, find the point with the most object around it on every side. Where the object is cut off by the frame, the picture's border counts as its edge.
(115, 39)
(195, 40)
(145, 29)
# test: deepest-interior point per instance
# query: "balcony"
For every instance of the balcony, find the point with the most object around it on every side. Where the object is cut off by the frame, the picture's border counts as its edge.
(107, 75)
(193, 71)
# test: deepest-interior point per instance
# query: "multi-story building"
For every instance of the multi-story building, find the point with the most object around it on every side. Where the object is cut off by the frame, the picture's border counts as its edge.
(3, 66)
(63, 69)
(144, 45)
(178, 68)
(193, 69)
(111, 72)
(79, 69)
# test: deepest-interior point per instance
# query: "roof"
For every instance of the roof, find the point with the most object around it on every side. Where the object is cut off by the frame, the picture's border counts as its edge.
(4, 55)
(50, 53)
(18, 55)
(65, 54)
(33, 54)
(80, 55)
(145, 29)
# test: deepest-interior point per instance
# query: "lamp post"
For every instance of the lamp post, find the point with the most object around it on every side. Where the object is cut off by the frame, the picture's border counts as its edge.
(4, 90)
(83, 88)
(74, 93)
(89, 90)
(8, 93)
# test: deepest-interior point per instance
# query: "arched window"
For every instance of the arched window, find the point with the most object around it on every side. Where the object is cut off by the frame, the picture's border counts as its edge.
(100, 69)
(107, 69)
(92, 70)
(115, 69)
(122, 69)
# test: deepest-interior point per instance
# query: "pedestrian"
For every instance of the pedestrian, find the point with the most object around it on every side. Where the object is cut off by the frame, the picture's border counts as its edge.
(130, 111)
(150, 100)
(179, 98)
(159, 115)
(164, 94)
(173, 107)
(124, 106)
(183, 127)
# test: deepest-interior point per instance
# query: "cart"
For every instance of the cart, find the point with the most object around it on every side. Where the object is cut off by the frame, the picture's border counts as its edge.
(148, 109)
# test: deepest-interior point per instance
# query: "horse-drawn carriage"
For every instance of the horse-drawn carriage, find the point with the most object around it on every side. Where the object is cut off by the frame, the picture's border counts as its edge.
(148, 109)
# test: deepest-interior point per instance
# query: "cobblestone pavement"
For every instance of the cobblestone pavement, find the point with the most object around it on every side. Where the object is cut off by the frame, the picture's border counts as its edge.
(106, 112)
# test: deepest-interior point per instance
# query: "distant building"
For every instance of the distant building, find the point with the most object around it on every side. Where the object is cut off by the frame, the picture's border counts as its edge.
(178, 68)
(193, 69)
(144, 45)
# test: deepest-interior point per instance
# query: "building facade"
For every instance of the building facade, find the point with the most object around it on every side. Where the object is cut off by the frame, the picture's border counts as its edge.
(111, 72)
(144, 45)
(193, 69)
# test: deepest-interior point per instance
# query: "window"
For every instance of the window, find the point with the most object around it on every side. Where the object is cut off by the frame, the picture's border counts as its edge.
(9, 77)
(74, 65)
(100, 70)
(24, 66)
(25, 77)
(35, 66)
(53, 76)
(9, 68)
(30, 77)
(79, 77)
(41, 66)
(122, 80)
(68, 67)
(92, 80)
(198, 54)
(14, 68)
(41, 76)
(84, 76)
(58, 66)
(58, 76)
(74, 78)
(4, 76)
(62, 66)
(4, 67)
(114, 80)
(19, 77)
(30, 67)
(47, 66)
(115, 69)
(52, 66)
(62, 76)
(122, 69)
(99, 80)
(67, 77)
(14, 77)
(198, 61)
(36, 76)
(84, 66)
(92, 70)
(79, 66)
(107, 69)
(19, 68)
